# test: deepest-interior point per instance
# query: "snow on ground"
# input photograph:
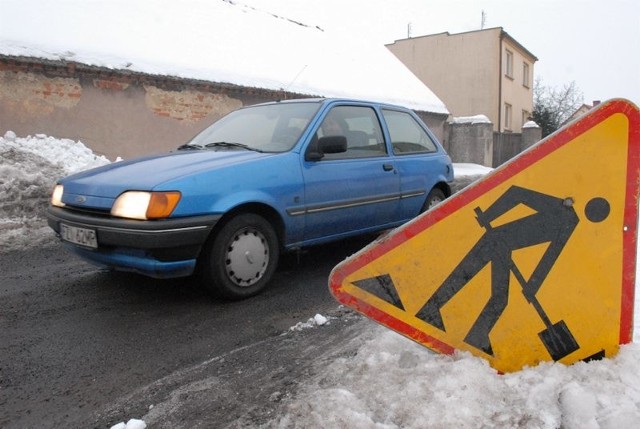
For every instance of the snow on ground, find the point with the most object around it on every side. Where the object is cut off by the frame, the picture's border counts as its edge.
(391, 382)
(462, 169)
(131, 424)
(312, 322)
(465, 174)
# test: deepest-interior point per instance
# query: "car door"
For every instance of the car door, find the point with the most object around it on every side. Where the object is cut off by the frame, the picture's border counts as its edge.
(352, 191)
(419, 161)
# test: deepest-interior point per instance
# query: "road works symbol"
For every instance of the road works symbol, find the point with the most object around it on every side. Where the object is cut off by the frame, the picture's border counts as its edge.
(558, 224)
(553, 222)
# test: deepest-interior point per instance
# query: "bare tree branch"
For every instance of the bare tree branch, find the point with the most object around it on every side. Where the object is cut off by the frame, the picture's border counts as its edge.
(553, 106)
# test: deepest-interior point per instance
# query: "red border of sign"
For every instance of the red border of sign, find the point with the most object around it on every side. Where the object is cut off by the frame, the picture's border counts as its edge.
(495, 178)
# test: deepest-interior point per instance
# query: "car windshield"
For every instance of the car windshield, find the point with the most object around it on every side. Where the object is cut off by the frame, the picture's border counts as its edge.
(265, 128)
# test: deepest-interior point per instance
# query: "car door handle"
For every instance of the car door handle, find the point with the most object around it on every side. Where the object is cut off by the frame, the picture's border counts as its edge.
(387, 167)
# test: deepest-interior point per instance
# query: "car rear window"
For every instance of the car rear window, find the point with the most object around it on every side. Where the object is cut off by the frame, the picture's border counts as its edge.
(407, 136)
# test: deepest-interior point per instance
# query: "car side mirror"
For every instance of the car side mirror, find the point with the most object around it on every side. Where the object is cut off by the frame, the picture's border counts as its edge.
(329, 144)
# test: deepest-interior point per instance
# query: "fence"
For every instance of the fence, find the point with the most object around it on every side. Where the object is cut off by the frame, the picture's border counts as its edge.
(477, 143)
(505, 147)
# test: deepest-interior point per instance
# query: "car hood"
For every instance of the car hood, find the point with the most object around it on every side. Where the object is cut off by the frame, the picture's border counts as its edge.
(150, 173)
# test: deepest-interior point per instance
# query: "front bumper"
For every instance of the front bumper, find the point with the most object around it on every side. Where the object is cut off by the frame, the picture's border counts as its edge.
(160, 248)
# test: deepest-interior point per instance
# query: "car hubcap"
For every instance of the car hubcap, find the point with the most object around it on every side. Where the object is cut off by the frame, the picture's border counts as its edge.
(247, 257)
(435, 201)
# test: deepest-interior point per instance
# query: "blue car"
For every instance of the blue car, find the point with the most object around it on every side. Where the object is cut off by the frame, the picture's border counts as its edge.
(262, 180)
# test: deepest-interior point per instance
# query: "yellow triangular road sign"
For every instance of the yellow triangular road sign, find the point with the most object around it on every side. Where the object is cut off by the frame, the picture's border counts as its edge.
(535, 262)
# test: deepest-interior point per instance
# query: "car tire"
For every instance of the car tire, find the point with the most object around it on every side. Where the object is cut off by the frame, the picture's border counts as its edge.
(435, 197)
(240, 258)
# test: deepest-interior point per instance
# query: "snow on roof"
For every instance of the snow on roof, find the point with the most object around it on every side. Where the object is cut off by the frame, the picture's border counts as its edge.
(211, 40)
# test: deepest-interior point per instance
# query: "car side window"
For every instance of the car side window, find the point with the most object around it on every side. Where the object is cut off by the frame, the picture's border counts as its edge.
(361, 128)
(407, 136)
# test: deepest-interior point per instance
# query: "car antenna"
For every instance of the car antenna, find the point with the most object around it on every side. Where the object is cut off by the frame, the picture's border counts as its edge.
(284, 90)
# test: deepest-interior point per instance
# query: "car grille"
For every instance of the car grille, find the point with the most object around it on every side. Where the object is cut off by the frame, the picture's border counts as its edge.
(89, 211)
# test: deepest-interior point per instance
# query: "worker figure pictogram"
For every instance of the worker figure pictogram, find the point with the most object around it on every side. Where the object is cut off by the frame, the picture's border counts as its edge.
(553, 222)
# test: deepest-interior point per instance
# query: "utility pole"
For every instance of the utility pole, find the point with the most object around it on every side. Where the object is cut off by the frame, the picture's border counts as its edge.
(483, 20)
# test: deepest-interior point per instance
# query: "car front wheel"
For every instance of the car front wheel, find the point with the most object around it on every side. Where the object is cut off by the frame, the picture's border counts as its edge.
(240, 259)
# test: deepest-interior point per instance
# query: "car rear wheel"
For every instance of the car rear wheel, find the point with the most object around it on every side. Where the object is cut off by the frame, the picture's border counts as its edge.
(240, 259)
(435, 197)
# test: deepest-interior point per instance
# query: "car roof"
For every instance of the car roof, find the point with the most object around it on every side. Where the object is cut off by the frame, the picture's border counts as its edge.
(331, 100)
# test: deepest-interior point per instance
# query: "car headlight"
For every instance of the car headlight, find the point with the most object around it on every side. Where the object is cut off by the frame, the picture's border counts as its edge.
(145, 205)
(56, 196)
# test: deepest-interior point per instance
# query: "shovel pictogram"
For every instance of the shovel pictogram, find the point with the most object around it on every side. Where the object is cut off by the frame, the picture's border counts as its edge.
(557, 338)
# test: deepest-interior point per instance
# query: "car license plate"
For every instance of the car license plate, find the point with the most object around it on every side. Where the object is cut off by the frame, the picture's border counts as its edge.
(80, 236)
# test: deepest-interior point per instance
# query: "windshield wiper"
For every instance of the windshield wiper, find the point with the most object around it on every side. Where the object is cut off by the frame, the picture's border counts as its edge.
(188, 146)
(230, 144)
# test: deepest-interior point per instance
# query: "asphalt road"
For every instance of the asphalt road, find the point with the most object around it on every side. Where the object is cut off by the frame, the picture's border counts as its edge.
(81, 347)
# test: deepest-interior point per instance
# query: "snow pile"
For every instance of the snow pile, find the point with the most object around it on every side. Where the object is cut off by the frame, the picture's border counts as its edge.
(68, 154)
(29, 168)
(393, 382)
(530, 124)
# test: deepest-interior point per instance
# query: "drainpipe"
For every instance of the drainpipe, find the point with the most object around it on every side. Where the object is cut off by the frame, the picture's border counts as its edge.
(500, 85)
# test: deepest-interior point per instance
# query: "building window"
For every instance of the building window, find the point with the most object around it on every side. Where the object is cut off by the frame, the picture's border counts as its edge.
(507, 116)
(526, 117)
(508, 64)
(525, 75)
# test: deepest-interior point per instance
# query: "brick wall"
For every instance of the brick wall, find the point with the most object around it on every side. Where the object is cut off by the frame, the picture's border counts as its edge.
(117, 112)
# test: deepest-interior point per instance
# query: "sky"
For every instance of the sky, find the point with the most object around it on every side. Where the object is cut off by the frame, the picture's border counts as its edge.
(382, 380)
(591, 42)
